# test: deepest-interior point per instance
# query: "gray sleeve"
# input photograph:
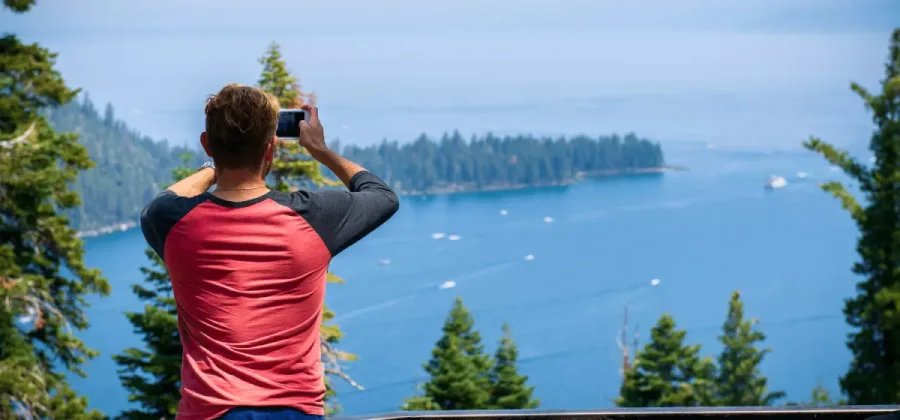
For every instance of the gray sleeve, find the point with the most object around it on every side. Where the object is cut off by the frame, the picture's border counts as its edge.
(157, 218)
(161, 214)
(344, 217)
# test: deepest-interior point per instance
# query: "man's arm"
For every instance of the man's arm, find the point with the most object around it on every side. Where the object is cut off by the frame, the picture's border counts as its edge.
(312, 138)
(340, 217)
(342, 167)
(171, 205)
(196, 184)
(344, 217)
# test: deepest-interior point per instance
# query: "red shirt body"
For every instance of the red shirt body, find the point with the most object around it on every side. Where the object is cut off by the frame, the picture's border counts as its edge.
(249, 283)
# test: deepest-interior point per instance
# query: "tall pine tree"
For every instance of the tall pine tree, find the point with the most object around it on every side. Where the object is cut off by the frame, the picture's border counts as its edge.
(294, 167)
(509, 390)
(41, 308)
(739, 381)
(459, 370)
(874, 313)
(153, 375)
(668, 373)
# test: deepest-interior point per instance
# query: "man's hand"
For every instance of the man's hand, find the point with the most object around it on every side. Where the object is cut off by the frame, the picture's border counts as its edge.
(312, 134)
(312, 137)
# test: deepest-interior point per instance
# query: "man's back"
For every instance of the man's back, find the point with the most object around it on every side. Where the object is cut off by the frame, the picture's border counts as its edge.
(249, 281)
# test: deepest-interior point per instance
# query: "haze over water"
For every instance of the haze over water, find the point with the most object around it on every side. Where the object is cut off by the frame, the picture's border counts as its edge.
(751, 74)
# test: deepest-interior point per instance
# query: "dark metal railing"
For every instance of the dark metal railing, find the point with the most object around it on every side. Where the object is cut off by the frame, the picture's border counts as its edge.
(710, 413)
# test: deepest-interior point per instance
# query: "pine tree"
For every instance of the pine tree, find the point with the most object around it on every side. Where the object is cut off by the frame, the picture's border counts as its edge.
(293, 167)
(820, 397)
(874, 314)
(739, 381)
(153, 376)
(508, 388)
(41, 308)
(668, 373)
(459, 370)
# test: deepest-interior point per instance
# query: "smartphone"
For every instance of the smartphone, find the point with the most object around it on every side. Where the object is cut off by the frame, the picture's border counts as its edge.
(289, 123)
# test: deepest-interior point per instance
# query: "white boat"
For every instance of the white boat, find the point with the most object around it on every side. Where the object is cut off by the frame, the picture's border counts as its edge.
(548, 219)
(503, 212)
(438, 235)
(449, 284)
(775, 181)
(454, 238)
(529, 257)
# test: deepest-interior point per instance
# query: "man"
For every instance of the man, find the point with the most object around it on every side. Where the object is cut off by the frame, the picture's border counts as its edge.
(248, 264)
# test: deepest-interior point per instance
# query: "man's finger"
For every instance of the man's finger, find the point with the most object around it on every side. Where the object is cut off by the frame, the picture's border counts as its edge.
(312, 111)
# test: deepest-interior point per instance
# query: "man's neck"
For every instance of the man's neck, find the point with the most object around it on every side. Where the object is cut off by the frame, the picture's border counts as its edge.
(239, 184)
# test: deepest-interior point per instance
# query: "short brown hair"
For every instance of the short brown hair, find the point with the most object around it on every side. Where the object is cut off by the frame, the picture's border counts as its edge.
(240, 123)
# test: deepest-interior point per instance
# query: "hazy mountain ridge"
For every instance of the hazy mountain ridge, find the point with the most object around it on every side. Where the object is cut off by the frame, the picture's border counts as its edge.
(130, 167)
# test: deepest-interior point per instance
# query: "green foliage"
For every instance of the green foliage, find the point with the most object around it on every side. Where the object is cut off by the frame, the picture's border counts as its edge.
(739, 381)
(503, 162)
(42, 308)
(276, 78)
(153, 376)
(668, 373)
(294, 167)
(874, 314)
(820, 398)
(421, 403)
(459, 369)
(19, 6)
(130, 168)
(508, 388)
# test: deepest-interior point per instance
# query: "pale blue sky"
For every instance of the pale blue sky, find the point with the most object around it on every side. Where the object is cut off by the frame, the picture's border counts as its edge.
(754, 72)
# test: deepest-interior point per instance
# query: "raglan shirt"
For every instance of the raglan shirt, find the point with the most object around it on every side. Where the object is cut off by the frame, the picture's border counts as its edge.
(249, 284)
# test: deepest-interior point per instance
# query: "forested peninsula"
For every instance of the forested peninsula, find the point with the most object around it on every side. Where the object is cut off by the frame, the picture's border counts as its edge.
(131, 167)
(489, 162)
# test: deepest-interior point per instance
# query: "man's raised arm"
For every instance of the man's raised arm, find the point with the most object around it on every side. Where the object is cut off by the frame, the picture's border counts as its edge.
(196, 184)
(345, 217)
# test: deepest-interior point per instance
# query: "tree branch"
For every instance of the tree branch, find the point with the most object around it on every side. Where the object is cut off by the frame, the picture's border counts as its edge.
(21, 139)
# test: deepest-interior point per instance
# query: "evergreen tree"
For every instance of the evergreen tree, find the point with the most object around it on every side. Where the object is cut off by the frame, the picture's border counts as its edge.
(508, 388)
(668, 373)
(292, 167)
(874, 374)
(821, 397)
(153, 376)
(109, 115)
(459, 370)
(739, 381)
(42, 308)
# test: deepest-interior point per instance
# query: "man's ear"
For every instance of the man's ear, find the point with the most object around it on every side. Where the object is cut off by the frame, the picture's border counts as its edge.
(205, 143)
(270, 150)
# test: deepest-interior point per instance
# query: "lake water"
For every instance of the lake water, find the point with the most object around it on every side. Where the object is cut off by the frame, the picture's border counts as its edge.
(703, 232)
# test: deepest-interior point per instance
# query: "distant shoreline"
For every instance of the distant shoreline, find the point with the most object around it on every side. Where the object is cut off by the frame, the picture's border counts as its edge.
(580, 176)
(446, 190)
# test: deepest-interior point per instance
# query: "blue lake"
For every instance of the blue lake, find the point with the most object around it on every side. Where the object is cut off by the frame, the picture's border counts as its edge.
(704, 233)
